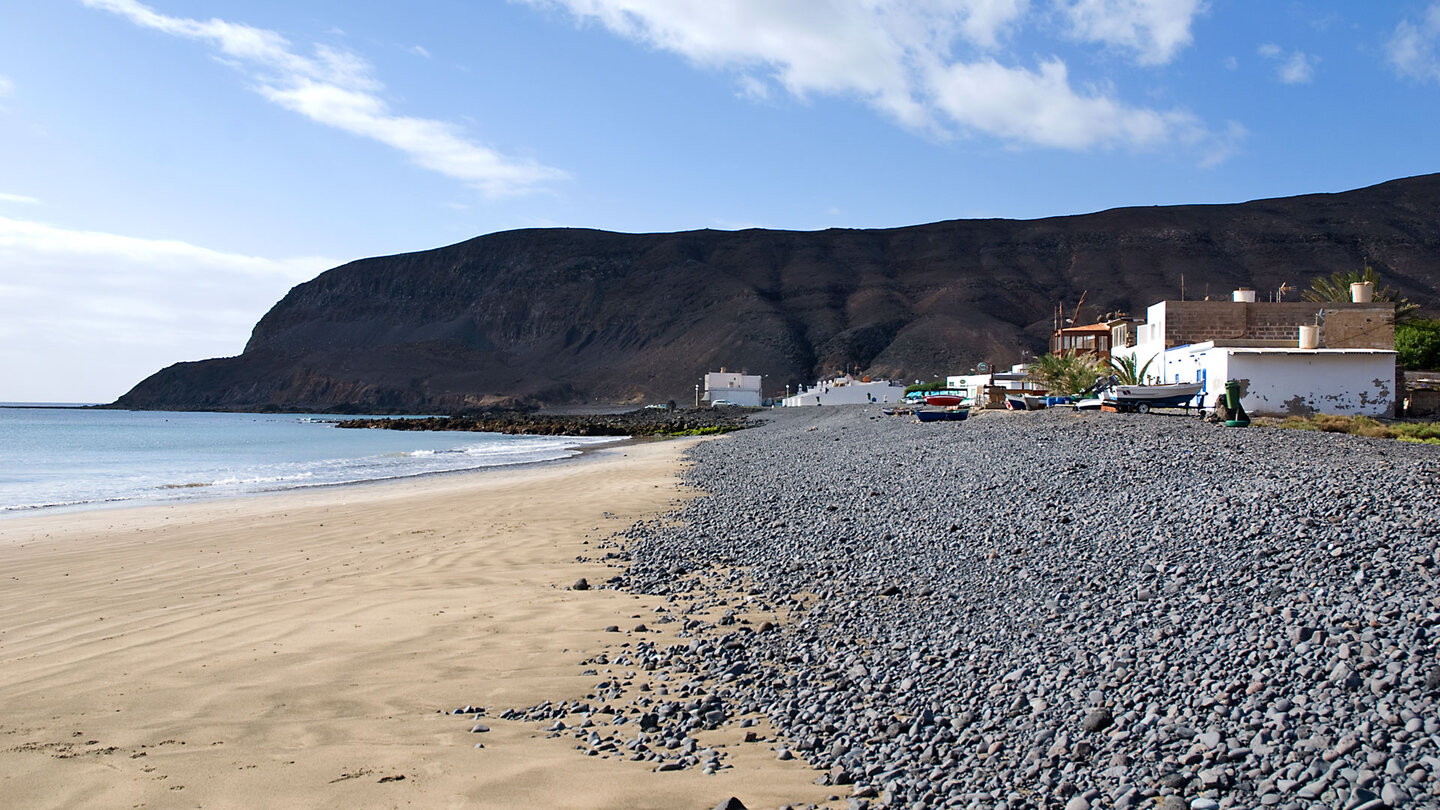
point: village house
(736, 389)
(1093, 339)
(1290, 358)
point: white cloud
(7, 87)
(18, 198)
(899, 57)
(1154, 30)
(1299, 68)
(337, 88)
(1042, 108)
(1296, 67)
(829, 48)
(420, 50)
(1412, 49)
(84, 315)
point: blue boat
(942, 416)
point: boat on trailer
(1142, 398)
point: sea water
(56, 458)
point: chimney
(1245, 295)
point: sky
(170, 168)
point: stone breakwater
(1046, 610)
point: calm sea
(55, 458)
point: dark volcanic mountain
(569, 316)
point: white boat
(1024, 402)
(1144, 397)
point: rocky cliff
(571, 316)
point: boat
(943, 416)
(943, 400)
(1024, 402)
(1144, 397)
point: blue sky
(168, 169)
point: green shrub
(1426, 432)
(933, 385)
(1418, 344)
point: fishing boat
(944, 400)
(958, 415)
(1024, 402)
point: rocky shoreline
(642, 422)
(1044, 610)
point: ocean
(67, 458)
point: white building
(1289, 381)
(736, 389)
(1290, 358)
(848, 391)
(1016, 379)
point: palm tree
(1336, 287)
(1067, 373)
(1128, 369)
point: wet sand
(296, 650)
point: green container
(1238, 417)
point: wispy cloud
(337, 88)
(1294, 67)
(18, 198)
(1412, 48)
(7, 87)
(1153, 30)
(900, 58)
(112, 309)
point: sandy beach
(297, 650)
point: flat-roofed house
(736, 389)
(1290, 358)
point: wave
(174, 477)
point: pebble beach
(835, 609)
(1039, 610)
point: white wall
(735, 396)
(1281, 382)
(1150, 343)
(1334, 381)
(881, 392)
(969, 383)
(740, 389)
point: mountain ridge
(570, 316)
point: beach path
(297, 650)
